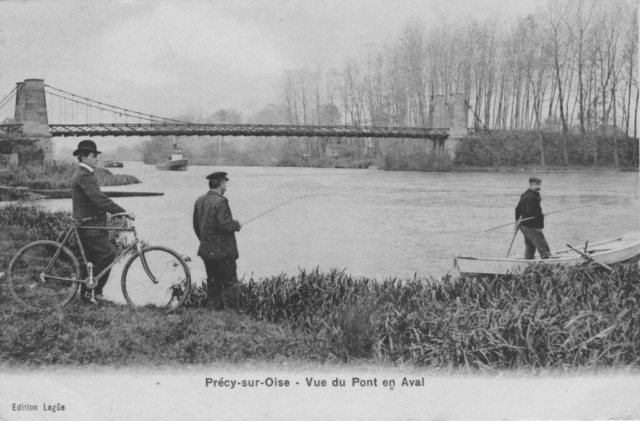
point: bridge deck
(233, 130)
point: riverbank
(369, 164)
(545, 319)
(19, 183)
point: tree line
(568, 69)
(570, 65)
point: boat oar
(514, 234)
(550, 213)
(591, 259)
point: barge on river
(616, 250)
(176, 161)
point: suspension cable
(7, 98)
(149, 117)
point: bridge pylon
(31, 112)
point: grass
(543, 319)
(117, 336)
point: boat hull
(177, 165)
(617, 250)
(113, 164)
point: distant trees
(570, 67)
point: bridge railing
(244, 130)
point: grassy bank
(544, 319)
(56, 176)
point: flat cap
(535, 180)
(219, 175)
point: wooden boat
(176, 161)
(608, 252)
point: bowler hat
(219, 175)
(535, 180)
(86, 146)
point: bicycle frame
(92, 281)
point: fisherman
(215, 228)
(529, 207)
(89, 202)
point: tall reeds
(547, 317)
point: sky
(168, 58)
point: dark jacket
(529, 206)
(215, 227)
(90, 202)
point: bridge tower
(449, 111)
(31, 112)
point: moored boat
(113, 164)
(176, 161)
(110, 162)
(616, 250)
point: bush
(41, 224)
(57, 176)
(522, 148)
(395, 160)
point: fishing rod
(550, 213)
(284, 203)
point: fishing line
(289, 201)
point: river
(373, 223)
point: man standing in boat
(89, 202)
(530, 212)
(215, 228)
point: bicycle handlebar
(123, 215)
(80, 221)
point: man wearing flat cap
(90, 202)
(215, 228)
(530, 211)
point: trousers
(534, 240)
(101, 254)
(223, 287)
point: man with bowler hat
(215, 228)
(90, 202)
(529, 208)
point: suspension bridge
(43, 111)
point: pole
(514, 235)
(551, 213)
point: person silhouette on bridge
(90, 202)
(529, 208)
(215, 228)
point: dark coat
(529, 206)
(215, 227)
(90, 202)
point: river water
(373, 223)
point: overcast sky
(168, 57)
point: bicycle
(45, 274)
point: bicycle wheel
(172, 279)
(35, 289)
